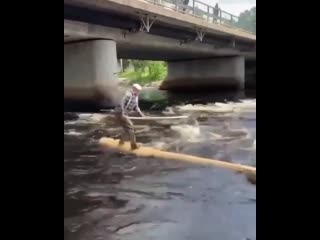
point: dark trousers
(128, 128)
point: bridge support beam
(217, 73)
(90, 72)
(250, 74)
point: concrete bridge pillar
(90, 71)
(250, 74)
(216, 73)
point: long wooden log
(155, 153)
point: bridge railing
(203, 11)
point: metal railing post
(229, 19)
(193, 5)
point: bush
(157, 71)
(145, 71)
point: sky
(234, 7)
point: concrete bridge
(203, 49)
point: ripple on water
(125, 196)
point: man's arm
(139, 111)
(124, 102)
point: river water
(110, 195)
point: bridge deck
(165, 15)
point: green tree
(138, 65)
(125, 64)
(157, 70)
(247, 20)
(144, 71)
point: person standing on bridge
(185, 3)
(130, 102)
(216, 12)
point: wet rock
(114, 202)
(70, 116)
(251, 178)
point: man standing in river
(130, 102)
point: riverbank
(126, 83)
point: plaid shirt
(129, 103)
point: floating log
(155, 153)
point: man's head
(136, 88)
